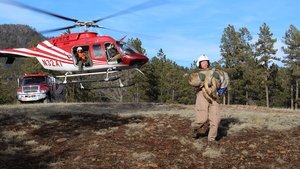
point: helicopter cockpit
(127, 49)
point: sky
(183, 29)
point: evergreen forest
(256, 78)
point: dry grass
(41, 148)
(13, 134)
(134, 129)
(269, 121)
(247, 116)
(103, 132)
(212, 152)
(31, 142)
(11, 150)
(143, 156)
(143, 133)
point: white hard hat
(79, 48)
(201, 58)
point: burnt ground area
(158, 139)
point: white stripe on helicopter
(45, 49)
(47, 43)
(46, 56)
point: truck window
(34, 80)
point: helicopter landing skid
(113, 78)
(108, 87)
(121, 85)
(107, 78)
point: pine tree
(151, 87)
(236, 51)
(160, 70)
(265, 52)
(292, 61)
(279, 93)
(136, 93)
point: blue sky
(184, 29)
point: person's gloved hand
(221, 91)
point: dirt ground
(93, 135)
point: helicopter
(103, 54)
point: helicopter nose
(138, 62)
(135, 60)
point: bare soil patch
(93, 135)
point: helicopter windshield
(126, 48)
(34, 80)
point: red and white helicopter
(60, 53)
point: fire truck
(39, 88)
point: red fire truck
(39, 88)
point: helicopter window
(127, 49)
(84, 48)
(97, 51)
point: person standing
(207, 111)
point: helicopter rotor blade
(21, 5)
(114, 30)
(102, 27)
(126, 32)
(141, 6)
(138, 7)
(58, 29)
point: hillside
(18, 36)
(93, 135)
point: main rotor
(84, 24)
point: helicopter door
(82, 57)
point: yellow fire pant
(204, 112)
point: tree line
(256, 78)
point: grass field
(94, 135)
